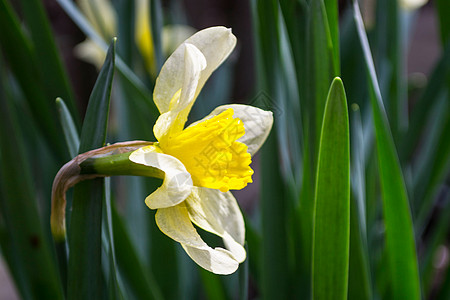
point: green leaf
(332, 208)
(443, 10)
(432, 163)
(156, 18)
(141, 281)
(321, 67)
(212, 285)
(114, 284)
(400, 244)
(27, 247)
(437, 82)
(390, 62)
(69, 128)
(359, 282)
(275, 277)
(22, 60)
(84, 274)
(243, 278)
(436, 239)
(51, 69)
(331, 7)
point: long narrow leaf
(332, 208)
(443, 10)
(54, 77)
(69, 127)
(400, 244)
(134, 273)
(84, 275)
(23, 62)
(28, 246)
(332, 10)
(359, 283)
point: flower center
(211, 154)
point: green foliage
(332, 209)
(346, 199)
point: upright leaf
(332, 10)
(84, 274)
(400, 244)
(28, 248)
(443, 10)
(332, 208)
(53, 74)
(22, 60)
(142, 283)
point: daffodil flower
(205, 160)
(199, 164)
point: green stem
(103, 162)
(117, 164)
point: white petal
(216, 43)
(257, 123)
(175, 223)
(219, 213)
(177, 182)
(173, 120)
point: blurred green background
(394, 62)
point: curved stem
(102, 162)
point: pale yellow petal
(219, 213)
(177, 182)
(257, 123)
(90, 52)
(173, 35)
(412, 4)
(101, 15)
(180, 104)
(216, 43)
(143, 35)
(175, 223)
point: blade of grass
(400, 244)
(84, 274)
(156, 17)
(444, 292)
(437, 82)
(443, 11)
(331, 237)
(28, 247)
(331, 7)
(438, 235)
(321, 67)
(432, 163)
(54, 77)
(73, 144)
(359, 283)
(69, 128)
(212, 285)
(243, 278)
(390, 59)
(114, 283)
(22, 60)
(275, 280)
(138, 277)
